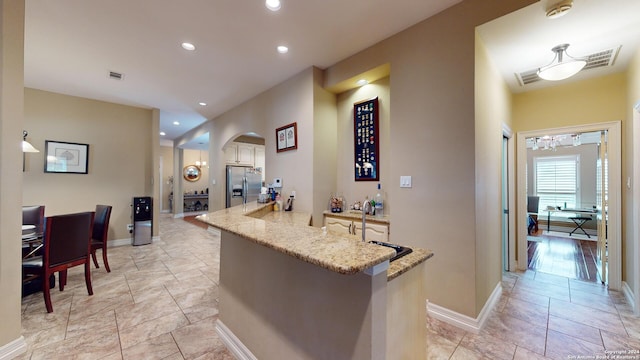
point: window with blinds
(556, 181)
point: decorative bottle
(379, 208)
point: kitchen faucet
(364, 213)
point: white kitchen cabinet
(377, 232)
(240, 154)
(374, 231)
(231, 154)
(338, 225)
(246, 155)
(260, 159)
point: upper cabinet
(260, 158)
(243, 154)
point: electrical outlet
(129, 227)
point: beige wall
(433, 139)
(120, 156)
(190, 157)
(359, 190)
(167, 173)
(11, 126)
(291, 101)
(325, 146)
(492, 111)
(575, 103)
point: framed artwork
(287, 137)
(66, 157)
(366, 140)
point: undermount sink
(400, 250)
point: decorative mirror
(191, 173)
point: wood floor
(192, 220)
(573, 258)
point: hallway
(542, 316)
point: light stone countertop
(289, 233)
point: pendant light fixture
(565, 66)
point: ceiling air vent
(116, 75)
(602, 58)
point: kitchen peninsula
(288, 290)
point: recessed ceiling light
(202, 103)
(188, 46)
(273, 5)
(282, 49)
(362, 82)
(176, 123)
(162, 133)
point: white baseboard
(463, 321)
(628, 294)
(13, 349)
(235, 346)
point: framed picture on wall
(287, 137)
(66, 157)
(366, 140)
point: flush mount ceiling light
(176, 123)
(188, 46)
(565, 67)
(362, 82)
(273, 5)
(282, 49)
(559, 9)
(202, 103)
(162, 133)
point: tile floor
(160, 302)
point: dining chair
(67, 243)
(100, 234)
(32, 215)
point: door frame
(615, 193)
(634, 186)
(511, 185)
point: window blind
(556, 181)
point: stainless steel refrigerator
(243, 185)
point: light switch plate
(405, 181)
(277, 182)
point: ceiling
(72, 45)
(523, 40)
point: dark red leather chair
(100, 234)
(67, 243)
